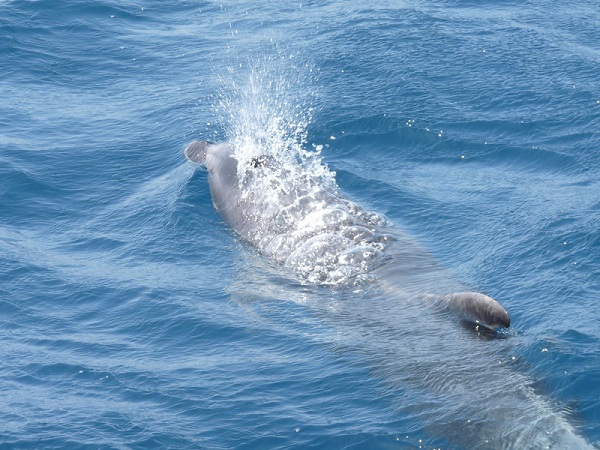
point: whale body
(300, 219)
(305, 223)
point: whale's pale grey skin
(348, 234)
(326, 239)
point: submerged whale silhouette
(324, 237)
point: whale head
(196, 151)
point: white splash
(304, 221)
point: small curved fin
(478, 308)
(196, 151)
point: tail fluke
(478, 308)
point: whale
(468, 391)
(326, 238)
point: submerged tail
(196, 151)
(478, 308)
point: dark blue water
(132, 317)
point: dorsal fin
(196, 151)
(478, 308)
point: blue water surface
(132, 317)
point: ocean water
(132, 316)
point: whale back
(301, 220)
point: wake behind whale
(284, 201)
